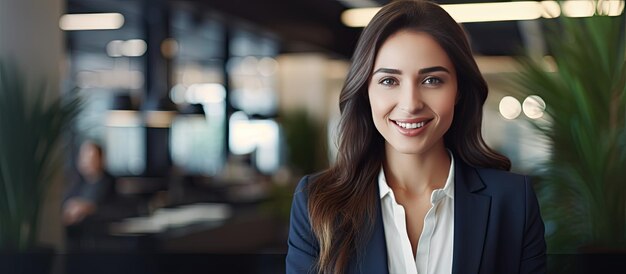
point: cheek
(448, 107)
(380, 110)
(444, 107)
(377, 105)
(376, 108)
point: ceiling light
(463, 13)
(534, 106)
(611, 8)
(114, 48)
(510, 107)
(134, 47)
(578, 8)
(550, 9)
(91, 21)
(169, 48)
(504, 11)
(358, 17)
(587, 8)
(489, 12)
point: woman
(415, 189)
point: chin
(407, 148)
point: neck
(417, 173)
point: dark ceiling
(304, 25)
(313, 24)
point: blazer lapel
(377, 248)
(471, 215)
(374, 255)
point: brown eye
(388, 82)
(432, 81)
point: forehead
(407, 49)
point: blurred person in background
(415, 189)
(92, 188)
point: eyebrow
(421, 71)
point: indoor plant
(31, 129)
(582, 186)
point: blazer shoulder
(502, 180)
(301, 195)
(303, 247)
(491, 174)
(303, 185)
(516, 213)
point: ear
(458, 97)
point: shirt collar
(448, 188)
(383, 187)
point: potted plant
(31, 128)
(582, 186)
(304, 150)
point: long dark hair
(342, 199)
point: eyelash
(438, 80)
(395, 82)
(382, 82)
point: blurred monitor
(260, 137)
(197, 143)
(125, 143)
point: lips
(411, 127)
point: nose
(410, 99)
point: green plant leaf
(582, 189)
(30, 152)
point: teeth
(411, 125)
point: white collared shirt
(434, 250)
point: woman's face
(412, 92)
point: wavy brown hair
(342, 199)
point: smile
(412, 123)
(411, 127)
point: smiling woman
(415, 189)
(413, 88)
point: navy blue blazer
(497, 228)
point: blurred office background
(209, 112)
